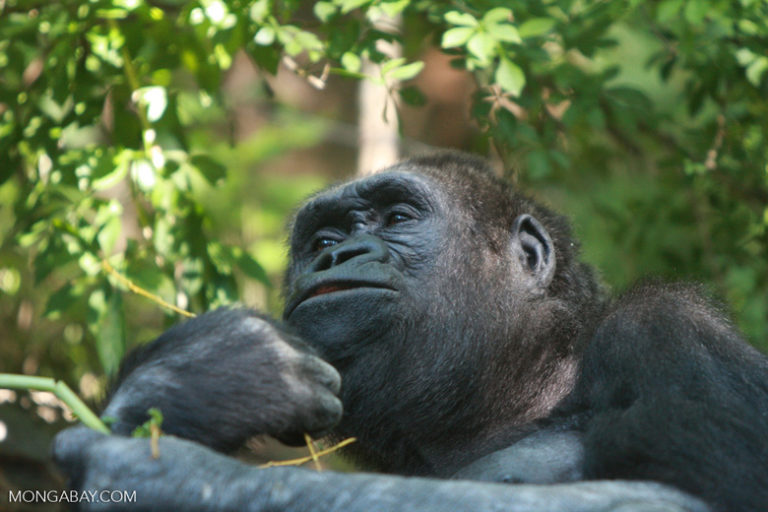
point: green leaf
(482, 46)
(350, 5)
(260, 10)
(308, 41)
(106, 46)
(143, 174)
(97, 306)
(461, 19)
(89, 264)
(456, 37)
(109, 231)
(745, 56)
(406, 72)
(749, 27)
(389, 65)
(221, 290)
(356, 76)
(538, 165)
(221, 256)
(154, 98)
(504, 32)
(324, 11)
(267, 57)
(351, 62)
(151, 278)
(208, 167)
(510, 77)
(668, 10)
(113, 177)
(60, 301)
(106, 321)
(265, 36)
(249, 265)
(695, 11)
(155, 420)
(50, 257)
(10, 281)
(536, 27)
(756, 70)
(497, 16)
(413, 96)
(394, 7)
(192, 280)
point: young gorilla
(471, 343)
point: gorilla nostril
(323, 262)
(346, 254)
(361, 249)
(335, 256)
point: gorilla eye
(398, 217)
(323, 243)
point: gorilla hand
(225, 376)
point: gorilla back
(471, 342)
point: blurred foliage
(646, 121)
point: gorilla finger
(70, 446)
(322, 373)
(317, 420)
(324, 413)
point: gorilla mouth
(330, 288)
(334, 287)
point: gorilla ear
(532, 245)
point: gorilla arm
(547, 456)
(190, 477)
(671, 392)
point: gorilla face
(362, 255)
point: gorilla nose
(357, 250)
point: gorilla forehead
(334, 205)
(449, 182)
(385, 186)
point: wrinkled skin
(471, 343)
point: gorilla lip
(326, 288)
(322, 290)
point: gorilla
(445, 320)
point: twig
(303, 460)
(312, 452)
(62, 392)
(109, 269)
(711, 162)
(154, 440)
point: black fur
(670, 391)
